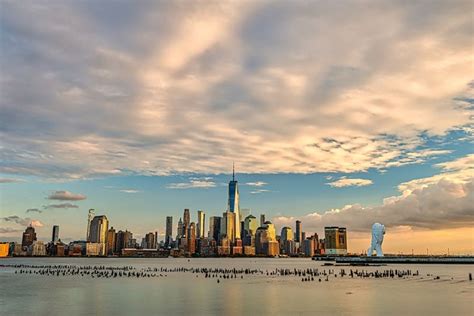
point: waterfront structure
(90, 216)
(201, 224)
(335, 239)
(308, 247)
(58, 249)
(111, 240)
(38, 249)
(55, 235)
(168, 231)
(4, 249)
(233, 204)
(29, 236)
(378, 231)
(94, 249)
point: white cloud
(193, 183)
(259, 191)
(66, 196)
(131, 191)
(445, 200)
(347, 182)
(256, 184)
(191, 88)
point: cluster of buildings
(231, 234)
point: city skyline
(334, 114)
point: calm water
(186, 294)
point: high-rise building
(29, 236)
(228, 226)
(180, 232)
(286, 233)
(335, 240)
(186, 221)
(191, 243)
(150, 241)
(271, 230)
(262, 219)
(308, 247)
(201, 224)
(123, 240)
(111, 239)
(55, 236)
(98, 232)
(250, 227)
(298, 233)
(233, 203)
(90, 216)
(215, 227)
(169, 230)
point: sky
(336, 113)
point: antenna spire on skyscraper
(233, 171)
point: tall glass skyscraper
(233, 204)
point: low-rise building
(38, 249)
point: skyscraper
(98, 232)
(90, 216)
(286, 241)
(111, 239)
(298, 236)
(150, 241)
(201, 224)
(233, 203)
(169, 230)
(228, 226)
(29, 236)
(186, 221)
(55, 236)
(262, 219)
(191, 243)
(215, 227)
(180, 232)
(123, 240)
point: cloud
(347, 182)
(22, 221)
(205, 182)
(7, 230)
(190, 88)
(66, 196)
(10, 180)
(257, 184)
(34, 210)
(61, 205)
(445, 200)
(129, 191)
(259, 191)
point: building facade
(335, 240)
